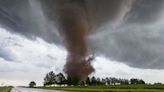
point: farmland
(118, 88)
(5, 89)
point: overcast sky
(23, 60)
(126, 37)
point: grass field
(121, 88)
(5, 89)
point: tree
(32, 84)
(108, 81)
(103, 81)
(68, 80)
(158, 83)
(141, 81)
(126, 82)
(60, 79)
(98, 81)
(72, 80)
(114, 80)
(123, 81)
(50, 78)
(93, 81)
(88, 81)
(136, 81)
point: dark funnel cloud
(73, 26)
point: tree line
(60, 79)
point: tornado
(75, 29)
(73, 26)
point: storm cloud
(128, 31)
(136, 46)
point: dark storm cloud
(145, 11)
(102, 12)
(132, 43)
(136, 46)
(26, 17)
(139, 42)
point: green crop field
(5, 89)
(121, 88)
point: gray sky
(24, 60)
(127, 38)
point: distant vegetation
(5, 89)
(32, 84)
(95, 84)
(59, 79)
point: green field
(121, 88)
(5, 89)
